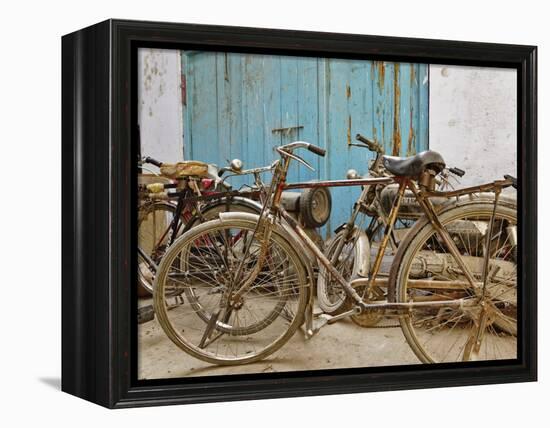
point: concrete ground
(340, 345)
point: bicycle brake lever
(295, 157)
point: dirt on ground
(340, 345)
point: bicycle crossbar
(339, 183)
(419, 283)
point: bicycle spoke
(466, 332)
(248, 325)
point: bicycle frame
(423, 198)
(188, 205)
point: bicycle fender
(361, 264)
(362, 255)
(220, 202)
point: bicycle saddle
(413, 166)
(184, 169)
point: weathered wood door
(243, 105)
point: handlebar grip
(317, 150)
(372, 145)
(153, 161)
(513, 179)
(457, 171)
(359, 137)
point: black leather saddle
(413, 166)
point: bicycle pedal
(316, 325)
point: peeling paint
(381, 65)
(396, 140)
(160, 109)
(411, 141)
(412, 137)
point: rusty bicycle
(353, 242)
(349, 249)
(180, 196)
(248, 280)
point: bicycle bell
(236, 165)
(352, 174)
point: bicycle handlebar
(514, 180)
(152, 161)
(372, 145)
(297, 144)
(317, 150)
(259, 170)
(457, 171)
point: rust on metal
(411, 149)
(396, 140)
(403, 182)
(340, 183)
(412, 137)
(381, 73)
(348, 91)
(487, 187)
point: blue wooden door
(243, 105)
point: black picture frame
(98, 224)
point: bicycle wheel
(153, 231)
(209, 321)
(153, 238)
(484, 327)
(331, 296)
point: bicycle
(200, 194)
(249, 283)
(349, 249)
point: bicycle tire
(208, 212)
(331, 296)
(443, 337)
(188, 331)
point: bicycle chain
(385, 326)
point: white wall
(473, 120)
(159, 104)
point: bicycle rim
(207, 323)
(484, 328)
